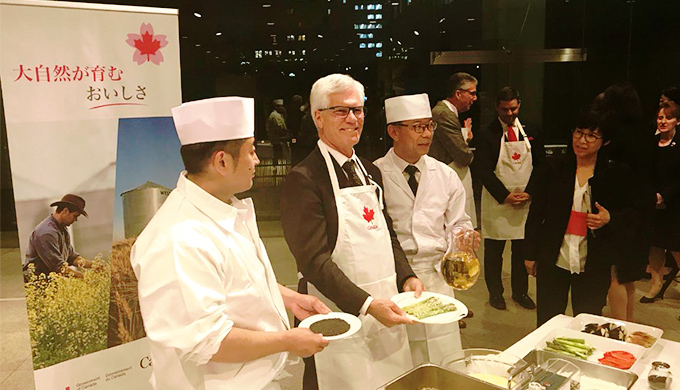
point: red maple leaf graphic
(368, 214)
(516, 156)
(147, 45)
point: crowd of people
(361, 232)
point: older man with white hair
(337, 228)
(213, 312)
(426, 200)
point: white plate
(601, 344)
(353, 321)
(580, 321)
(408, 298)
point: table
(665, 350)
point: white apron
(433, 342)
(466, 179)
(502, 221)
(363, 251)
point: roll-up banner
(72, 75)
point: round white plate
(353, 321)
(408, 298)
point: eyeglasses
(472, 93)
(343, 111)
(419, 128)
(590, 137)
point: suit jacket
(551, 206)
(310, 225)
(448, 143)
(488, 149)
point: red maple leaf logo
(516, 156)
(368, 214)
(147, 45)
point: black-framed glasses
(419, 128)
(590, 137)
(343, 111)
(472, 93)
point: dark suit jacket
(448, 143)
(488, 149)
(310, 225)
(551, 206)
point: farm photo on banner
(68, 77)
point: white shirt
(202, 270)
(422, 223)
(515, 128)
(574, 249)
(342, 159)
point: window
(378, 54)
(378, 26)
(362, 36)
(378, 6)
(258, 53)
(290, 38)
(378, 45)
(273, 38)
(378, 16)
(362, 45)
(370, 17)
(370, 7)
(277, 53)
(302, 38)
(371, 45)
(304, 51)
(291, 52)
(370, 35)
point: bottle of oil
(460, 265)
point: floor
(489, 328)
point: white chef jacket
(422, 223)
(202, 269)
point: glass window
(370, 17)
(378, 16)
(378, 54)
(362, 45)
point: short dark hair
(457, 80)
(507, 94)
(70, 209)
(196, 156)
(670, 108)
(593, 120)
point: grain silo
(140, 204)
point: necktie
(511, 134)
(351, 172)
(411, 170)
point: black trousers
(588, 291)
(493, 266)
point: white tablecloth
(665, 350)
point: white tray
(601, 344)
(580, 321)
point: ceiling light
(218, 33)
(471, 19)
(270, 24)
(395, 3)
(196, 14)
(266, 5)
(442, 19)
(416, 32)
(320, 36)
(198, 44)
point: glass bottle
(460, 265)
(660, 376)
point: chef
(507, 153)
(213, 312)
(336, 226)
(426, 201)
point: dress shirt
(341, 159)
(515, 129)
(574, 249)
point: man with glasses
(426, 200)
(336, 226)
(450, 140)
(507, 154)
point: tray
(614, 376)
(582, 319)
(601, 344)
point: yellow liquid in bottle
(460, 270)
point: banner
(69, 73)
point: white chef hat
(407, 107)
(216, 119)
(278, 102)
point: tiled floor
(489, 328)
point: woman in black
(581, 217)
(666, 176)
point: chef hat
(407, 107)
(278, 102)
(217, 119)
